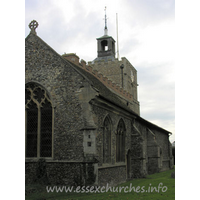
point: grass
(142, 188)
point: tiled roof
(103, 90)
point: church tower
(121, 72)
(105, 44)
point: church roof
(108, 95)
(102, 89)
(104, 92)
(105, 36)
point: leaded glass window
(38, 109)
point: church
(82, 120)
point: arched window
(104, 45)
(120, 142)
(107, 140)
(38, 110)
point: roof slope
(112, 97)
(104, 92)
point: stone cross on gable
(33, 25)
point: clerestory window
(38, 126)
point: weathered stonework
(81, 101)
(112, 175)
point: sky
(146, 35)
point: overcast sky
(146, 38)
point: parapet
(108, 83)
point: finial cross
(33, 25)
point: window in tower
(132, 76)
(104, 45)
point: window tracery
(38, 109)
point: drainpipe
(122, 67)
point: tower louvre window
(132, 76)
(38, 109)
(104, 45)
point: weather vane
(33, 25)
(105, 29)
(105, 19)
